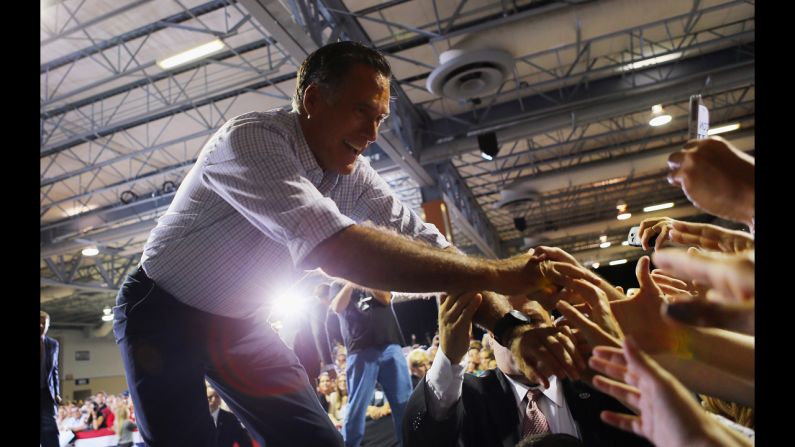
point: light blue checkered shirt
(251, 209)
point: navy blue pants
(169, 349)
(48, 427)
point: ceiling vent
(464, 74)
(512, 199)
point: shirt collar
(214, 414)
(553, 393)
(307, 158)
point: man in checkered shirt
(273, 194)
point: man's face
(213, 399)
(343, 123)
(100, 398)
(44, 324)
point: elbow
(331, 254)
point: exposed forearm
(381, 260)
(340, 302)
(725, 350)
(383, 297)
(705, 379)
(491, 309)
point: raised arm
(343, 297)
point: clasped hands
(540, 349)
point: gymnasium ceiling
(119, 133)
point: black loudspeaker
(487, 142)
(520, 224)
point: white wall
(105, 358)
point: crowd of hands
(688, 328)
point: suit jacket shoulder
(585, 405)
(484, 416)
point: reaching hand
(732, 276)
(543, 350)
(667, 413)
(455, 323)
(532, 273)
(710, 237)
(716, 177)
(640, 316)
(592, 333)
(655, 229)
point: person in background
(123, 426)
(503, 406)
(419, 362)
(49, 383)
(228, 430)
(338, 401)
(373, 341)
(324, 389)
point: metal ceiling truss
(81, 273)
(603, 99)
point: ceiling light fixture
(623, 214)
(191, 55)
(617, 262)
(652, 61)
(595, 265)
(90, 251)
(658, 116)
(723, 129)
(603, 239)
(107, 314)
(658, 207)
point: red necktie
(534, 421)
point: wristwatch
(509, 321)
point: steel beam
(603, 98)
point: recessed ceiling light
(624, 216)
(652, 61)
(604, 245)
(723, 129)
(191, 55)
(90, 251)
(658, 207)
(618, 262)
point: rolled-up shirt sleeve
(379, 204)
(258, 174)
(444, 381)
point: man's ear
(312, 96)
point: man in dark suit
(49, 384)
(227, 427)
(450, 408)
